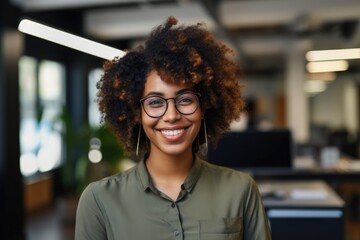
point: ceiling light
(327, 66)
(69, 40)
(335, 54)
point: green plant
(76, 166)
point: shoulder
(110, 183)
(224, 171)
(227, 175)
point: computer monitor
(254, 150)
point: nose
(171, 114)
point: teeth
(172, 132)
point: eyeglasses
(185, 103)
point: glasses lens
(187, 103)
(155, 106)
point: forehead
(155, 84)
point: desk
(349, 172)
(300, 210)
(308, 174)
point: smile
(172, 132)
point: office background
(41, 81)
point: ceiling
(260, 30)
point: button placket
(175, 221)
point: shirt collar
(143, 175)
(193, 175)
(189, 182)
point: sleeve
(89, 219)
(256, 224)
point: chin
(175, 150)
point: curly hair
(179, 54)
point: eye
(155, 102)
(186, 99)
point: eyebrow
(153, 93)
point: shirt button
(176, 233)
(173, 205)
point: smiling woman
(173, 132)
(166, 101)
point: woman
(166, 102)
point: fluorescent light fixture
(69, 40)
(327, 66)
(335, 54)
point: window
(42, 97)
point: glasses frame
(198, 95)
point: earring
(138, 142)
(206, 138)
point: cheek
(147, 126)
(196, 119)
(147, 121)
(199, 116)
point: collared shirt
(214, 203)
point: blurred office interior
(51, 141)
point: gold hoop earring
(138, 142)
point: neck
(163, 167)
(168, 172)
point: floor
(50, 224)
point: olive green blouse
(214, 203)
